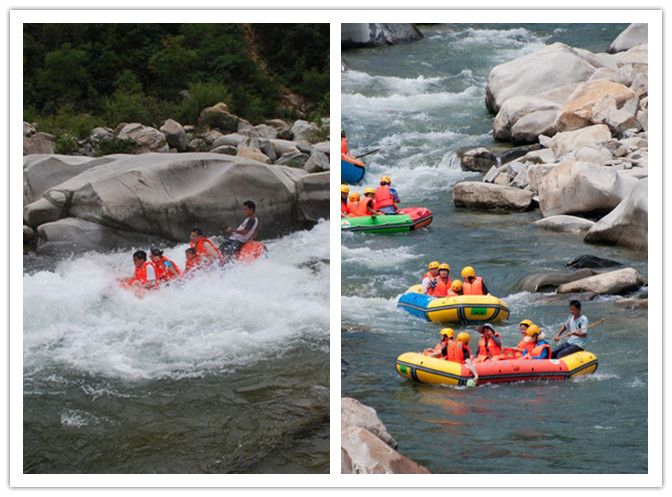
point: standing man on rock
(577, 339)
(244, 233)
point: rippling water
(227, 373)
(419, 103)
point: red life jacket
(537, 350)
(190, 265)
(141, 273)
(384, 197)
(492, 347)
(201, 255)
(452, 293)
(351, 206)
(455, 351)
(344, 145)
(362, 207)
(473, 288)
(344, 208)
(441, 288)
(161, 271)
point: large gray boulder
(145, 139)
(627, 224)
(570, 141)
(176, 136)
(612, 283)
(354, 413)
(488, 196)
(523, 107)
(39, 143)
(582, 188)
(166, 195)
(634, 35)
(373, 34)
(548, 282)
(551, 67)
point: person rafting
(540, 348)
(523, 346)
(366, 206)
(472, 284)
(345, 189)
(344, 143)
(577, 338)
(166, 270)
(144, 275)
(206, 251)
(458, 351)
(191, 261)
(387, 197)
(441, 349)
(244, 233)
(455, 289)
(490, 344)
(439, 287)
(352, 202)
(431, 274)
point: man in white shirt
(577, 337)
(244, 233)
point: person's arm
(497, 340)
(485, 288)
(560, 332)
(151, 276)
(472, 368)
(210, 250)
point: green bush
(114, 146)
(200, 96)
(66, 144)
(66, 121)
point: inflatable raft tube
(352, 170)
(407, 219)
(463, 309)
(418, 367)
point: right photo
(494, 248)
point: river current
(226, 373)
(419, 103)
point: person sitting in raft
(366, 206)
(523, 346)
(190, 266)
(490, 344)
(344, 143)
(387, 198)
(459, 352)
(472, 284)
(455, 289)
(439, 287)
(431, 274)
(244, 233)
(577, 339)
(206, 251)
(441, 349)
(345, 189)
(352, 202)
(144, 275)
(540, 349)
(166, 270)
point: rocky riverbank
(176, 177)
(582, 119)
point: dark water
(420, 103)
(226, 374)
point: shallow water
(226, 373)
(419, 103)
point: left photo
(175, 248)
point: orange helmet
(354, 196)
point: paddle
(367, 153)
(581, 329)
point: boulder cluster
(173, 180)
(582, 121)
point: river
(419, 103)
(227, 373)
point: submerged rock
(592, 261)
(565, 223)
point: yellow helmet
(434, 265)
(342, 133)
(533, 330)
(527, 322)
(385, 179)
(369, 190)
(345, 189)
(354, 196)
(464, 338)
(444, 266)
(448, 332)
(468, 272)
(456, 285)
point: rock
(516, 108)
(219, 117)
(317, 162)
(198, 145)
(282, 147)
(593, 155)
(536, 173)
(364, 453)
(487, 196)
(624, 118)
(592, 261)
(266, 131)
(281, 127)
(637, 56)
(29, 129)
(548, 282)
(232, 140)
(611, 283)
(569, 141)
(551, 67)
(528, 128)
(374, 34)
(175, 134)
(570, 224)
(491, 175)
(356, 414)
(577, 111)
(634, 35)
(27, 234)
(543, 156)
(39, 143)
(477, 159)
(165, 195)
(582, 188)
(293, 159)
(306, 132)
(324, 147)
(101, 134)
(225, 150)
(632, 304)
(144, 138)
(252, 153)
(627, 224)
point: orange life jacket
(344, 145)
(492, 348)
(344, 208)
(141, 273)
(351, 206)
(455, 351)
(161, 271)
(201, 255)
(362, 207)
(383, 197)
(537, 350)
(452, 293)
(473, 288)
(441, 288)
(190, 265)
